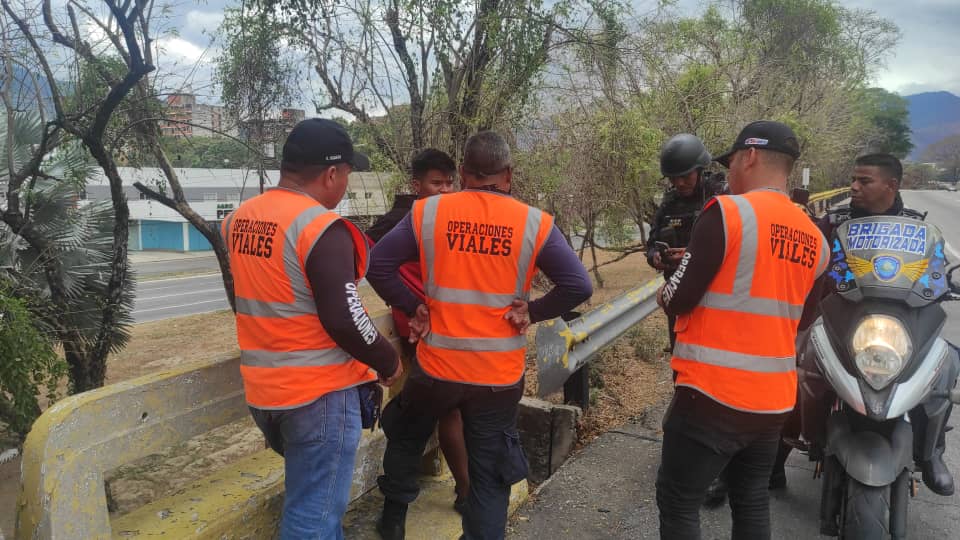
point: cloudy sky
(928, 55)
(925, 60)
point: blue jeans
(319, 444)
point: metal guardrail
(820, 202)
(564, 347)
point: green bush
(28, 366)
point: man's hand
(658, 262)
(419, 324)
(674, 256)
(519, 315)
(660, 295)
(388, 381)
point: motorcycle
(874, 354)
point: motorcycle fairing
(890, 257)
(900, 396)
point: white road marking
(146, 290)
(194, 276)
(139, 311)
(184, 293)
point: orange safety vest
(738, 344)
(478, 251)
(287, 359)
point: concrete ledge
(239, 502)
(77, 439)
(72, 444)
(431, 516)
(242, 501)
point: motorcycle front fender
(870, 457)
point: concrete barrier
(548, 433)
(79, 438)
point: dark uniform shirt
(402, 204)
(673, 222)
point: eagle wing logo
(916, 269)
(859, 267)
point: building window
(367, 195)
(351, 195)
(143, 196)
(209, 197)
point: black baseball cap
(764, 135)
(318, 141)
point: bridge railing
(78, 439)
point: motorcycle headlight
(881, 346)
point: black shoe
(393, 521)
(778, 479)
(936, 475)
(716, 493)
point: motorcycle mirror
(952, 395)
(955, 287)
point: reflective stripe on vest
(476, 344)
(273, 359)
(225, 229)
(747, 362)
(287, 359)
(738, 344)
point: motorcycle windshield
(888, 257)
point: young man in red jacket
(431, 173)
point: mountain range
(933, 116)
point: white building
(214, 193)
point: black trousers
(702, 437)
(495, 459)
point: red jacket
(410, 275)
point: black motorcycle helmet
(682, 154)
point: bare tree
(428, 72)
(129, 25)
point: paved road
(148, 269)
(607, 490)
(176, 297)
(944, 212)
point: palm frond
(78, 234)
